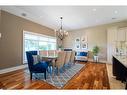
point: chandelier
(61, 34)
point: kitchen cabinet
(115, 35)
(120, 68)
(126, 33)
(121, 34)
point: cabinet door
(126, 34)
(112, 34)
(121, 34)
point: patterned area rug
(60, 80)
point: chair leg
(63, 68)
(51, 70)
(45, 75)
(31, 76)
(58, 71)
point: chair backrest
(30, 59)
(67, 49)
(51, 52)
(72, 59)
(43, 52)
(68, 56)
(56, 52)
(60, 59)
(82, 53)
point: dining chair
(43, 52)
(56, 52)
(39, 67)
(51, 52)
(72, 59)
(60, 61)
(67, 58)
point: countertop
(122, 59)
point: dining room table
(52, 59)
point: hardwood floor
(20, 80)
(92, 76)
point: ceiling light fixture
(40, 17)
(23, 14)
(113, 18)
(60, 32)
(94, 9)
(115, 11)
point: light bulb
(66, 33)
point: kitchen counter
(120, 68)
(121, 59)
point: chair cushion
(36, 59)
(81, 53)
(83, 56)
(41, 66)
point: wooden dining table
(50, 57)
(52, 60)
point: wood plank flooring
(92, 76)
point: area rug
(59, 80)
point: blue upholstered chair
(81, 56)
(40, 67)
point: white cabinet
(121, 34)
(115, 34)
(112, 34)
(126, 33)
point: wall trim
(101, 61)
(13, 69)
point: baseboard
(101, 61)
(12, 69)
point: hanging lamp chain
(61, 23)
(61, 34)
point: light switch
(0, 35)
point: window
(34, 41)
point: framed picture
(77, 40)
(84, 46)
(84, 39)
(77, 46)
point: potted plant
(95, 53)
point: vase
(96, 59)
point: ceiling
(74, 17)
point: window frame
(36, 34)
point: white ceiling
(74, 17)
